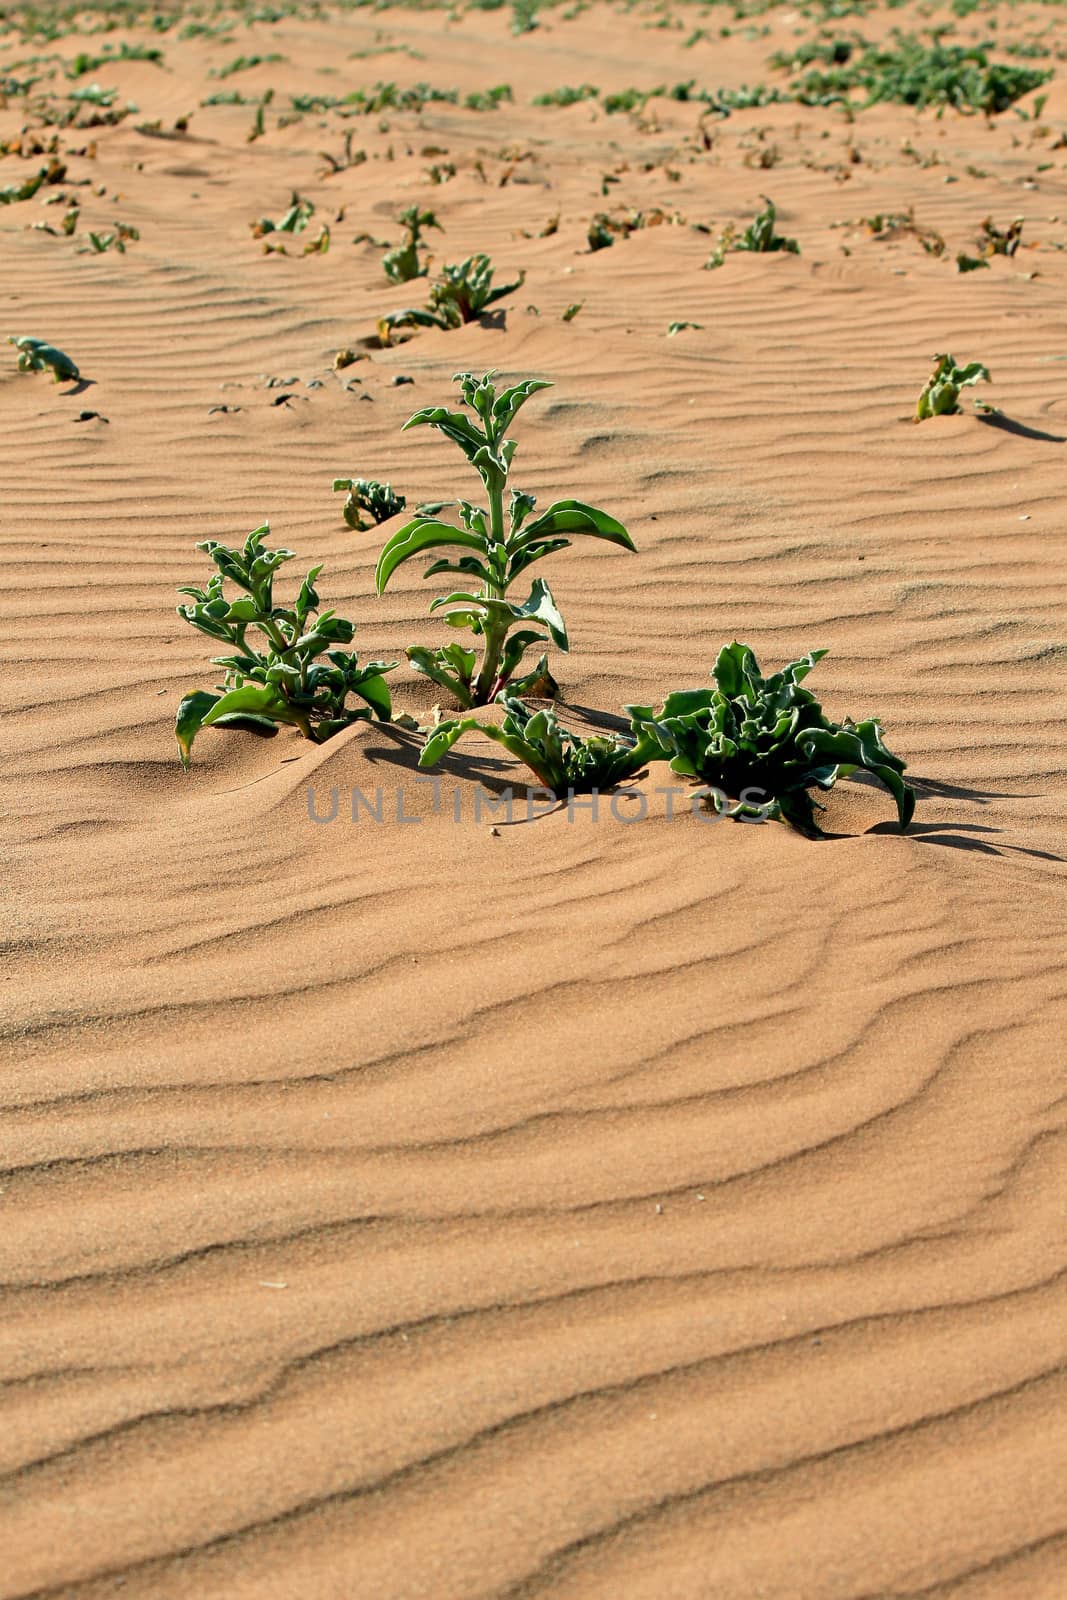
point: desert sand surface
(582, 1207)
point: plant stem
(496, 632)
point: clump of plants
(54, 172)
(762, 743)
(566, 95)
(913, 73)
(293, 220)
(37, 355)
(994, 241)
(940, 396)
(367, 497)
(561, 761)
(759, 236)
(283, 667)
(403, 263)
(460, 295)
(605, 228)
(495, 546)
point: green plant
(37, 355)
(765, 742)
(561, 761)
(115, 240)
(566, 96)
(941, 392)
(759, 237)
(243, 64)
(282, 680)
(460, 295)
(911, 72)
(367, 495)
(402, 263)
(294, 220)
(488, 99)
(495, 548)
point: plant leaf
(574, 517)
(424, 533)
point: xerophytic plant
(37, 355)
(275, 672)
(758, 237)
(941, 393)
(367, 496)
(495, 546)
(765, 742)
(460, 295)
(561, 761)
(404, 262)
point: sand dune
(581, 1206)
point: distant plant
(390, 97)
(763, 743)
(913, 73)
(117, 239)
(54, 172)
(36, 355)
(759, 236)
(243, 64)
(403, 263)
(941, 392)
(566, 96)
(495, 548)
(680, 327)
(966, 263)
(994, 241)
(488, 99)
(366, 495)
(561, 761)
(294, 220)
(83, 62)
(605, 228)
(460, 295)
(280, 678)
(572, 311)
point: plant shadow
(960, 836)
(1021, 430)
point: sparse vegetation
(759, 236)
(278, 676)
(403, 263)
(460, 295)
(37, 355)
(761, 744)
(941, 393)
(562, 762)
(365, 496)
(495, 547)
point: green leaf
(574, 517)
(444, 736)
(190, 719)
(453, 424)
(541, 607)
(424, 533)
(375, 691)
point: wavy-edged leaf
(861, 746)
(509, 403)
(574, 517)
(423, 533)
(542, 608)
(453, 424)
